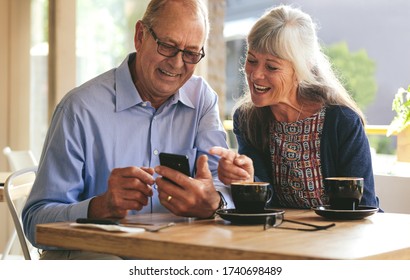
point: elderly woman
(297, 124)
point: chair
(19, 159)
(16, 190)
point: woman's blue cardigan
(344, 151)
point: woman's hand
(233, 167)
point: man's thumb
(202, 168)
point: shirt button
(144, 104)
(156, 152)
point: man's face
(157, 76)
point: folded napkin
(109, 227)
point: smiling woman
(361, 60)
(296, 125)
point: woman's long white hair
(290, 34)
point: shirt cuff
(226, 192)
(79, 210)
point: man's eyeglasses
(167, 50)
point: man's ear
(139, 34)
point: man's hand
(186, 196)
(128, 189)
(232, 166)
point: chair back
(16, 190)
(19, 159)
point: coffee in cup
(251, 197)
(344, 193)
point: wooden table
(380, 236)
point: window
(373, 30)
(38, 75)
(105, 34)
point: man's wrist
(222, 204)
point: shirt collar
(127, 95)
(182, 96)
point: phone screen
(175, 161)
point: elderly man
(106, 135)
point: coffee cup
(344, 193)
(251, 197)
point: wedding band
(169, 198)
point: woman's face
(271, 80)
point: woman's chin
(259, 102)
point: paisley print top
(295, 155)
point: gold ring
(169, 198)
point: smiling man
(106, 135)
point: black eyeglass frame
(160, 44)
(276, 221)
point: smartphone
(175, 161)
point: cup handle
(270, 194)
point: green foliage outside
(401, 105)
(357, 70)
(105, 33)
(382, 144)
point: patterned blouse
(295, 155)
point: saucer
(249, 219)
(360, 213)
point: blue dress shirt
(104, 124)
